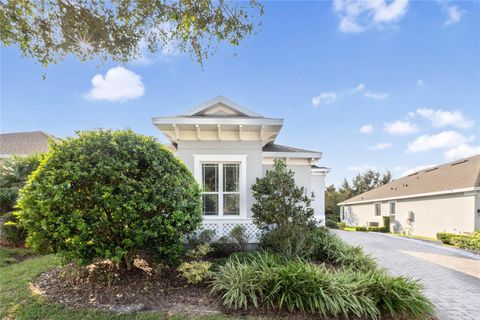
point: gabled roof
(24, 143)
(219, 119)
(221, 106)
(456, 175)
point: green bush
(330, 248)
(296, 285)
(446, 237)
(332, 224)
(341, 225)
(377, 229)
(14, 173)
(461, 241)
(386, 223)
(239, 236)
(355, 228)
(108, 194)
(11, 232)
(195, 271)
(198, 252)
(235, 241)
(282, 211)
(296, 241)
(202, 236)
(468, 242)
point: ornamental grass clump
(107, 195)
(330, 248)
(275, 282)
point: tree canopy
(49, 30)
(364, 182)
(361, 183)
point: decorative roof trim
(307, 155)
(218, 120)
(222, 100)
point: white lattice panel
(223, 228)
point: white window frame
(240, 159)
(375, 209)
(390, 208)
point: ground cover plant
(273, 281)
(107, 195)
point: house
(23, 143)
(227, 147)
(444, 198)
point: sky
(383, 85)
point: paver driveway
(451, 279)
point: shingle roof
(24, 143)
(279, 148)
(458, 174)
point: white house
(227, 147)
(444, 198)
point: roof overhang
(303, 155)
(218, 128)
(418, 195)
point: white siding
(443, 213)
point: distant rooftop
(454, 175)
(24, 143)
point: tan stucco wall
(443, 213)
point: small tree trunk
(128, 263)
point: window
(221, 189)
(378, 209)
(392, 208)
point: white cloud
(332, 96)
(375, 96)
(381, 146)
(462, 151)
(442, 140)
(118, 84)
(324, 98)
(359, 88)
(366, 128)
(454, 14)
(399, 127)
(356, 16)
(420, 83)
(440, 118)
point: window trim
(242, 160)
(390, 208)
(375, 204)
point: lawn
(17, 301)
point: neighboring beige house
(444, 198)
(227, 147)
(23, 143)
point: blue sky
(408, 73)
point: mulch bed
(136, 290)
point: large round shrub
(108, 194)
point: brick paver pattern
(452, 287)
